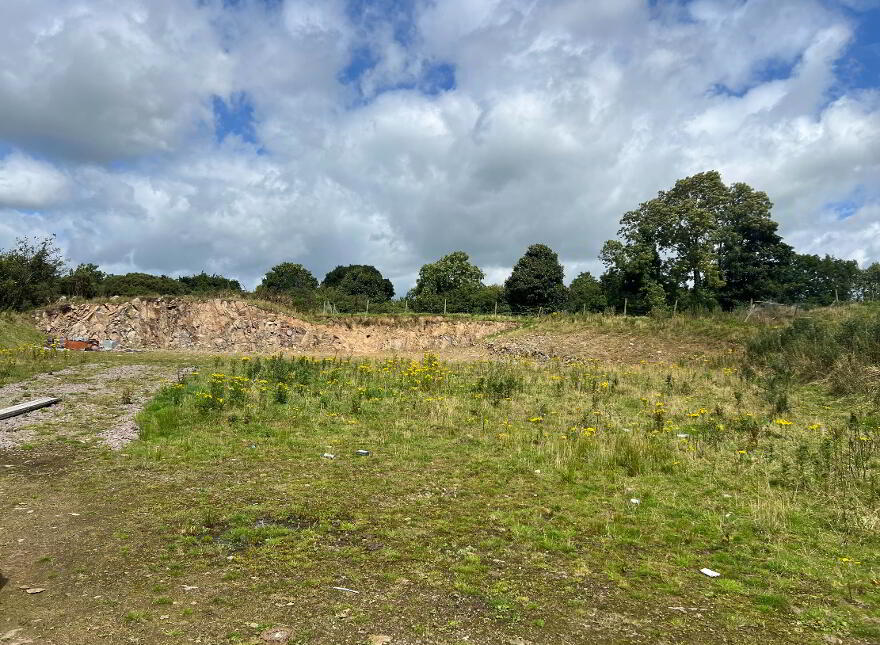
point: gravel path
(97, 402)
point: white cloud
(30, 184)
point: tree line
(699, 245)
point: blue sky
(228, 136)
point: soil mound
(222, 325)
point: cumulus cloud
(30, 184)
(551, 119)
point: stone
(278, 635)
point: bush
(844, 352)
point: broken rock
(278, 635)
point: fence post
(625, 303)
(675, 307)
(368, 305)
(496, 307)
(444, 306)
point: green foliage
(141, 284)
(536, 281)
(700, 243)
(288, 277)
(450, 273)
(452, 280)
(29, 274)
(360, 280)
(586, 294)
(83, 282)
(811, 280)
(203, 283)
(751, 255)
(843, 351)
(869, 283)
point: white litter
(635, 501)
(710, 573)
(346, 589)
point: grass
(500, 501)
(512, 486)
(16, 330)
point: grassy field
(501, 502)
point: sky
(175, 136)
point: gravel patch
(81, 412)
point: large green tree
(700, 242)
(288, 277)
(586, 294)
(536, 281)
(451, 272)
(751, 255)
(452, 283)
(84, 281)
(360, 280)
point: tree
(536, 281)
(869, 283)
(751, 255)
(585, 293)
(203, 283)
(141, 284)
(360, 280)
(288, 277)
(83, 282)
(451, 283)
(449, 273)
(700, 242)
(684, 223)
(29, 273)
(811, 280)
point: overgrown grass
(515, 484)
(16, 330)
(839, 347)
(22, 353)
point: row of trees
(33, 274)
(699, 245)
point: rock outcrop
(222, 325)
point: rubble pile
(224, 325)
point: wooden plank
(30, 406)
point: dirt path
(98, 403)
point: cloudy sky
(172, 136)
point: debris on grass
(345, 589)
(363, 453)
(328, 455)
(710, 573)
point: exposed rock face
(235, 326)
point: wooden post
(675, 307)
(444, 306)
(625, 303)
(406, 304)
(584, 312)
(368, 305)
(835, 297)
(496, 307)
